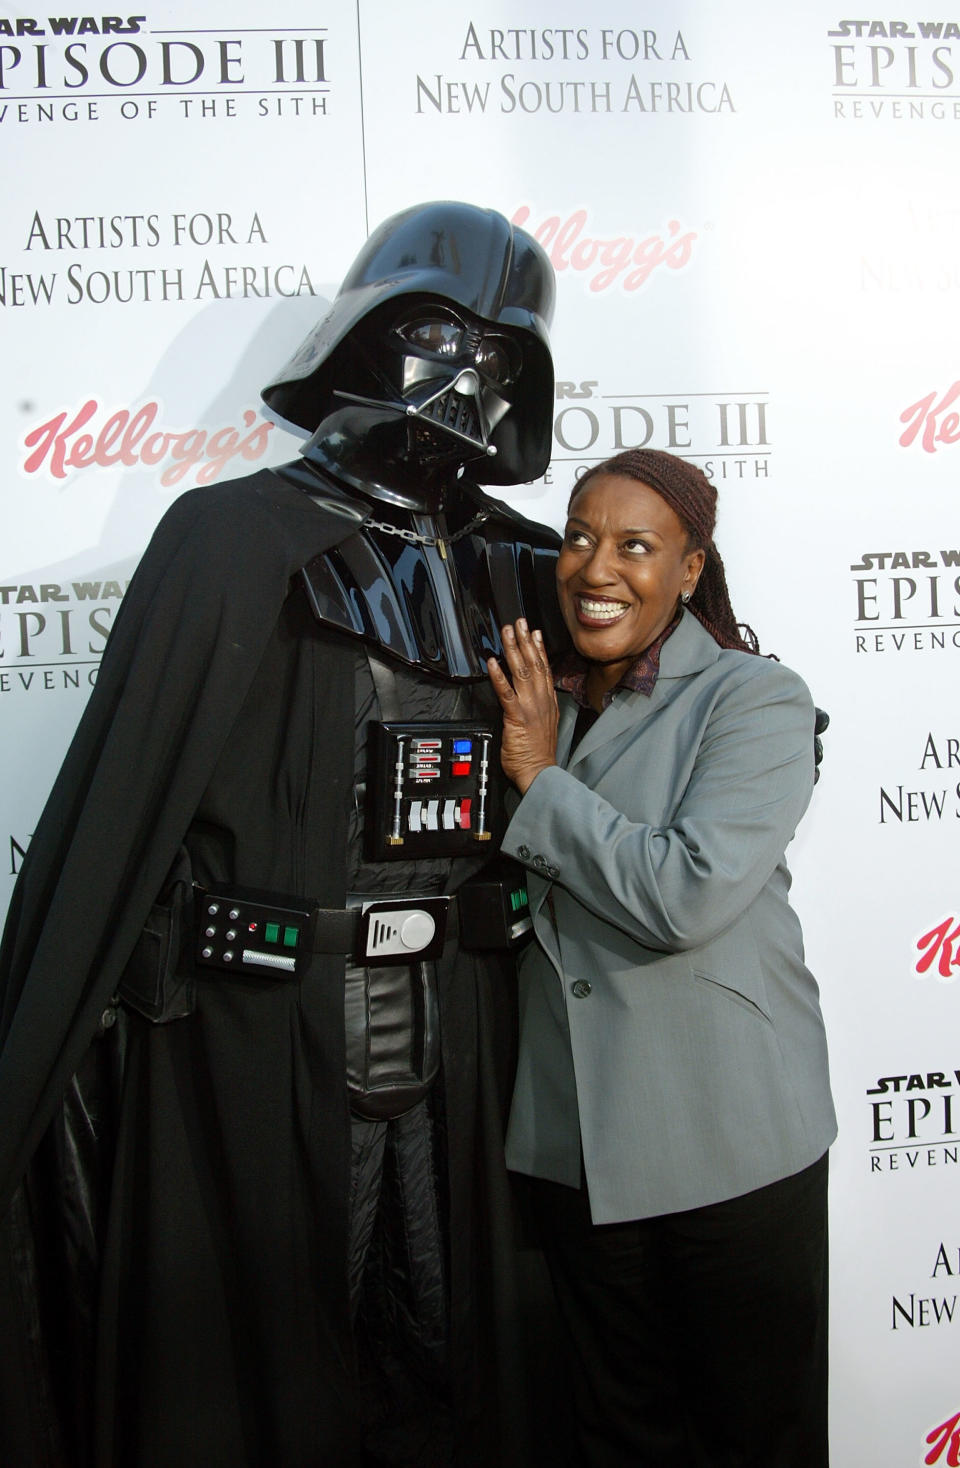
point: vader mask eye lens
(442, 337)
(499, 358)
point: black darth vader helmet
(439, 330)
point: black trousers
(696, 1337)
(398, 1292)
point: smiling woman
(672, 1103)
(626, 560)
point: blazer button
(523, 852)
(582, 987)
(551, 872)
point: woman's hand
(529, 704)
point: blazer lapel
(568, 719)
(687, 651)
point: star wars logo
(81, 68)
(914, 1121)
(905, 70)
(52, 634)
(726, 434)
(906, 601)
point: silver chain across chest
(416, 538)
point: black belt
(250, 932)
(388, 929)
(268, 935)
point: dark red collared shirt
(640, 677)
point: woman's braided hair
(693, 499)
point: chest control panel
(430, 789)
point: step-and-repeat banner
(753, 217)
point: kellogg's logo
(929, 421)
(945, 1439)
(571, 246)
(128, 438)
(941, 943)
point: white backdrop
(753, 217)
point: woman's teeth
(606, 611)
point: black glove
(821, 721)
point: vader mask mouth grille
(466, 408)
(454, 411)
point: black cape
(172, 1278)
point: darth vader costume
(256, 1003)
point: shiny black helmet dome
(449, 255)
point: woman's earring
(685, 596)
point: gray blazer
(668, 1022)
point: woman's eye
(575, 538)
(636, 547)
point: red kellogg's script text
(128, 438)
(570, 247)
